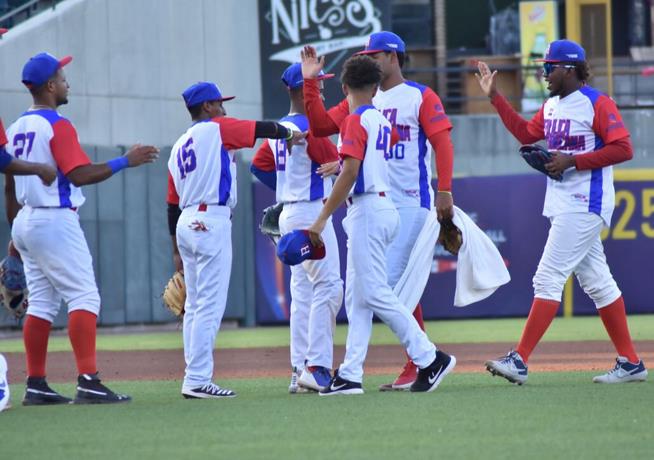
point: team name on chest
(403, 130)
(557, 134)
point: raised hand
(486, 79)
(141, 154)
(311, 65)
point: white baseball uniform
(416, 112)
(46, 231)
(582, 203)
(316, 285)
(371, 225)
(203, 173)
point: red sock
(81, 331)
(614, 318)
(417, 314)
(540, 317)
(36, 332)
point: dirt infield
(273, 362)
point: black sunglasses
(549, 67)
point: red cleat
(404, 381)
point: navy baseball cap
(563, 51)
(40, 68)
(203, 91)
(296, 247)
(383, 41)
(292, 76)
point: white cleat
(623, 372)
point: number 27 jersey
(202, 165)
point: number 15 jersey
(201, 164)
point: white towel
(481, 268)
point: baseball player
(584, 129)
(47, 233)
(416, 113)
(203, 174)
(301, 183)
(371, 225)
(16, 167)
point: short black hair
(360, 71)
(195, 110)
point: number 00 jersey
(201, 165)
(44, 136)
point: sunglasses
(549, 67)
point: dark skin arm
(11, 203)
(341, 190)
(94, 173)
(17, 167)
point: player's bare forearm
(89, 174)
(27, 168)
(11, 203)
(177, 258)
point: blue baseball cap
(292, 76)
(563, 51)
(296, 247)
(203, 91)
(40, 68)
(383, 41)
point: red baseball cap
(3, 31)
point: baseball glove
(13, 287)
(174, 295)
(270, 222)
(450, 237)
(537, 156)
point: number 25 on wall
(622, 230)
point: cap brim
(325, 76)
(228, 98)
(3, 31)
(65, 61)
(368, 52)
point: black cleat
(38, 393)
(340, 386)
(91, 391)
(430, 377)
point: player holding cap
(47, 233)
(584, 128)
(371, 224)
(203, 185)
(417, 114)
(301, 182)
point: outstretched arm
(527, 132)
(322, 123)
(94, 173)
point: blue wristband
(117, 164)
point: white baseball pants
(316, 291)
(412, 220)
(204, 239)
(574, 245)
(371, 224)
(57, 261)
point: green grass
(459, 331)
(556, 415)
